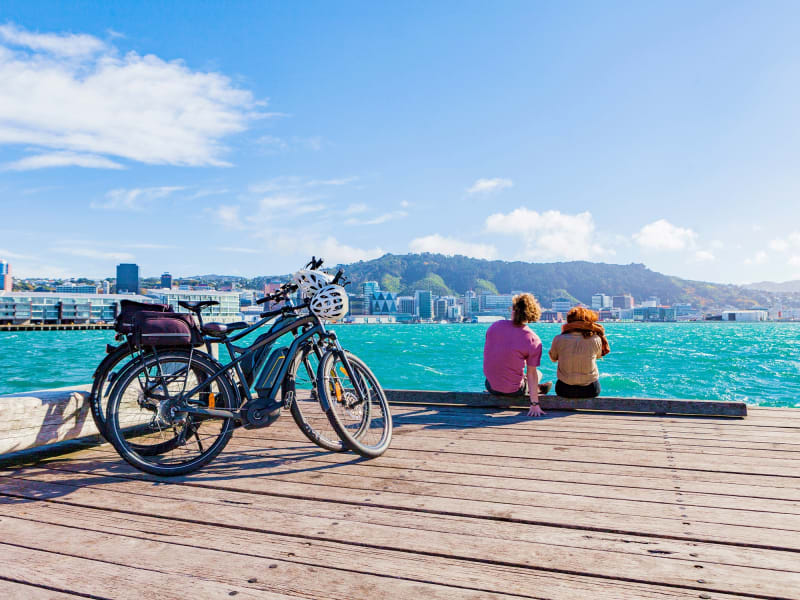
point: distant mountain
(577, 279)
(787, 287)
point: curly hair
(580, 313)
(525, 309)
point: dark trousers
(521, 392)
(577, 391)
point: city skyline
(245, 139)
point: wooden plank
(548, 402)
(14, 589)
(654, 565)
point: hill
(787, 287)
(577, 279)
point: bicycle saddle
(220, 329)
(198, 305)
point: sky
(241, 138)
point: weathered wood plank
(654, 564)
(15, 590)
(548, 402)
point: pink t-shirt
(508, 349)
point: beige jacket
(576, 356)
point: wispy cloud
(82, 103)
(227, 216)
(384, 218)
(238, 250)
(136, 199)
(485, 186)
(94, 253)
(291, 183)
(61, 159)
(663, 235)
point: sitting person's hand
(536, 411)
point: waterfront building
(623, 301)
(368, 288)
(651, 302)
(383, 303)
(226, 311)
(128, 278)
(600, 301)
(549, 316)
(76, 289)
(454, 313)
(609, 314)
(405, 305)
(561, 305)
(682, 309)
(440, 309)
(359, 305)
(106, 286)
(166, 280)
(423, 302)
(745, 315)
(6, 281)
(471, 304)
(22, 308)
(495, 302)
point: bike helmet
(330, 303)
(310, 282)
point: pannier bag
(152, 328)
(128, 308)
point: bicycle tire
(357, 410)
(131, 405)
(299, 392)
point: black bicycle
(172, 410)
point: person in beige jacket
(576, 350)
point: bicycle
(164, 402)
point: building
(22, 308)
(227, 311)
(623, 301)
(76, 289)
(600, 301)
(745, 315)
(471, 303)
(561, 305)
(383, 303)
(405, 305)
(6, 281)
(454, 313)
(368, 288)
(652, 301)
(549, 316)
(495, 302)
(359, 306)
(651, 314)
(166, 281)
(106, 286)
(423, 302)
(128, 278)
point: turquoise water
(758, 363)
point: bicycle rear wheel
(137, 422)
(354, 403)
(299, 393)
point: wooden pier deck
(467, 503)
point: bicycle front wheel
(137, 421)
(354, 403)
(299, 393)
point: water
(758, 363)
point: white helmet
(310, 282)
(330, 303)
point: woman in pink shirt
(510, 347)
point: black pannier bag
(152, 328)
(128, 308)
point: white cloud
(759, 258)
(785, 244)
(65, 44)
(438, 244)
(74, 93)
(336, 252)
(227, 216)
(550, 234)
(136, 199)
(704, 256)
(779, 245)
(6, 254)
(663, 235)
(795, 261)
(482, 186)
(390, 216)
(292, 183)
(61, 159)
(280, 206)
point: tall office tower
(423, 301)
(368, 288)
(106, 286)
(166, 281)
(128, 278)
(6, 281)
(623, 301)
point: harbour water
(758, 363)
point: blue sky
(242, 137)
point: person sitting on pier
(576, 350)
(510, 346)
